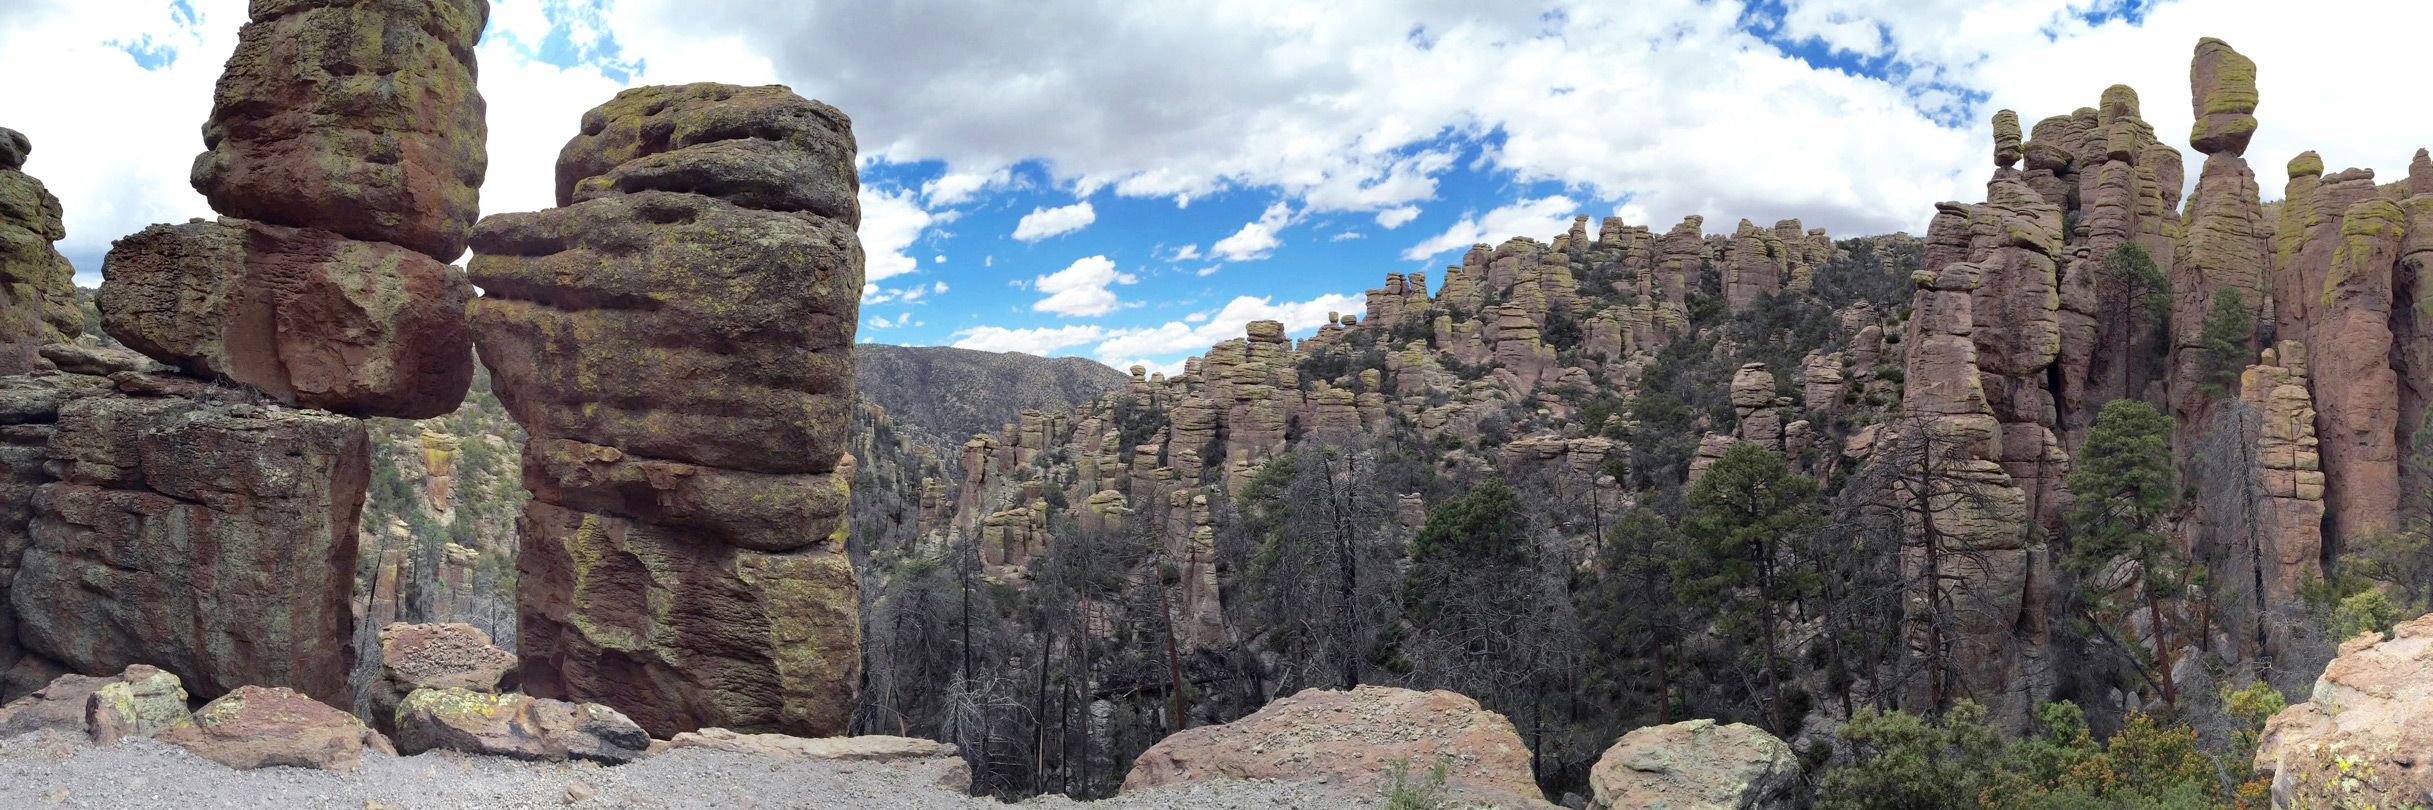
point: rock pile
(207, 523)
(676, 336)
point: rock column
(676, 336)
(37, 287)
(208, 525)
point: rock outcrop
(1696, 765)
(2359, 741)
(37, 286)
(676, 337)
(1355, 738)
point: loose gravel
(48, 770)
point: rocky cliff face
(37, 287)
(676, 336)
(210, 527)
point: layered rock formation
(676, 336)
(37, 287)
(2359, 740)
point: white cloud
(1256, 239)
(1392, 218)
(881, 322)
(1185, 253)
(1346, 235)
(1205, 272)
(1041, 341)
(1181, 336)
(1081, 289)
(957, 188)
(891, 222)
(1195, 317)
(940, 288)
(1541, 218)
(1169, 368)
(1042, 223)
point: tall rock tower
(677, 337)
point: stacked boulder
(37, 286)
(676, 337)
(206, 522)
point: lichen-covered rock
(262, 727)
(311, 318)
(606, 322)
(1696, 765)
(2359, 740)
(944, 759)
(354, 116)
(516, 726)
(435, 656)
(66, 704)
(1354, 739)
(213, 540)
(2222, 87)
(2289, 511)
(37, 286)
(137, 703)
(680, 631)
(677, 337)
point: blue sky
(1186, 167)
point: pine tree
(2124, 487)
(1749, 522)
(2224, 343)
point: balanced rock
(354, 116)
(1354, 739)
(37, 286)
(2360, 740)
(516, 726)
(434, 656)
(2222, 87)
(677, 338)
(944, 759)
(311, 318)
(214, 540)
(263, 727)
(1696, 765)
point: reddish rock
(750, 510)
(354, 116)
(311, 318)
(1354, 739)
(214, 540)
(435, 656)
(2222, 87)
(261, 727)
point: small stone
(578, 792)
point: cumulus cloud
(1041, 341)
(1539, 218)
(891, 222)
(1081, 289)
(1256, 239)
(1042, 223)
(1392, 218)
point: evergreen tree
(2224, 343)
(1748, 525)
(2124, 487)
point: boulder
(37, 286)
(1696, 765)
(516, 726)
(354, 116)
(137, 703)
(310, 317)
(2360, 739)
(2222, 86)
(66, 704)
(897, 752)
(1353, 740)
(760, 147)
(262, 727)
(214, 540)
(435, 656)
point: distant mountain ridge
(958, 392)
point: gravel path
(45, 770)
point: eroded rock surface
(2359, 741)
(262, 727)
(37, 286)
(677, 337)
(516, 726)
(1354, 738)
(435, 656)
(1696, 765)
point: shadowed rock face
(354, 116)
(37, 286)
(677, 336)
